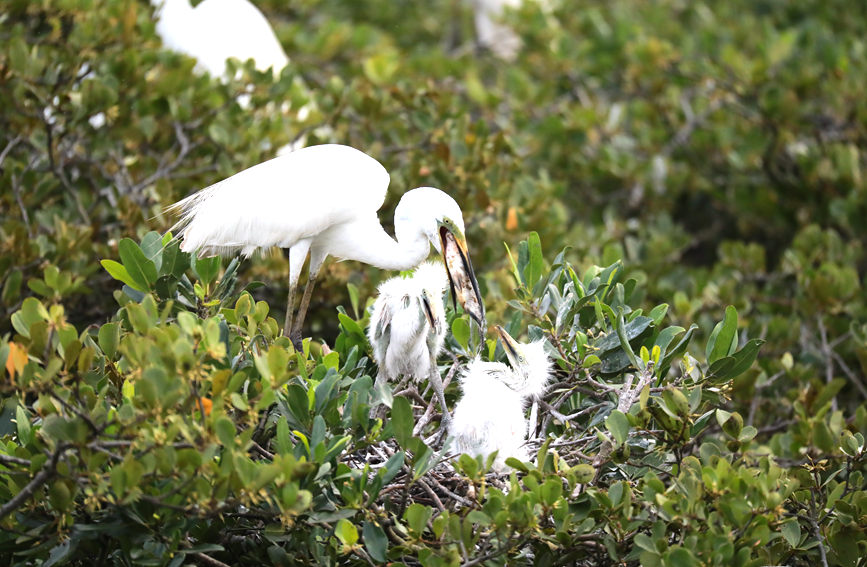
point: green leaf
(108, 338)
(12, 287)
(353, 298)
(375, 541)
(118, 272)
(733, 366)
(723, 339)
(32, 311)
(632, 329)
(350, 325)
(461, 332)
(644, 542)
(679, 557)
(206, 269)
(225, 430)
(417, 516)
(584, 473)
(174, 262)
(675, 352)
(346, 532)
(142, 271)
(791, 531)
(658, 313)
(535, 261)
(402, 420)
(22, 422)
(152, 246)
(618, 425)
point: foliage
(188, 426)
(709, 405)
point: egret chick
(490, 415)
(322, 201)
(407, 328)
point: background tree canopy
(680, 189)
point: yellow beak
(510, 345)
(462, 279)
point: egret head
(530, 362)
(441, 221)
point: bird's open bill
(462, 279)
(510, 345)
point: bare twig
(208, 560)
(628, 396)
(44, 475)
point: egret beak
(428, 313)
(462, 279)
(510, 345)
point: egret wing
(281, 201)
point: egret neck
(365, 240)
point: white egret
(491, 32)
(407, 328)
(322, 200)
(216, 30)
(490, 414)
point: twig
(208, 560)
(627, 398)
(9, 460)
(432, 494)
(44, 475)
(817, 533)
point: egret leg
(295, 335)
(296, 255)
(437, 384)
(290, 309)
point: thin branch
(208, 560)
(44, 475)
(10, 460)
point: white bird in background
(216, 30)
(490, 414)
(322, 200)
(407, 328)
(491, 32)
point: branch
(44, 475)
(627, 397)
(208, 560)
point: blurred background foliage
(717, 149)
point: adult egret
(322, 200)
(216, 30)
(490, 414)
(407, 328)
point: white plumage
(491, 32)
(407, 327)
(490, 414)
(322, 200)
(216, 30)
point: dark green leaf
(375, 541)
(142, 271)
(723, 339)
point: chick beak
(510, 345)
(428, 313)
(462, 279)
